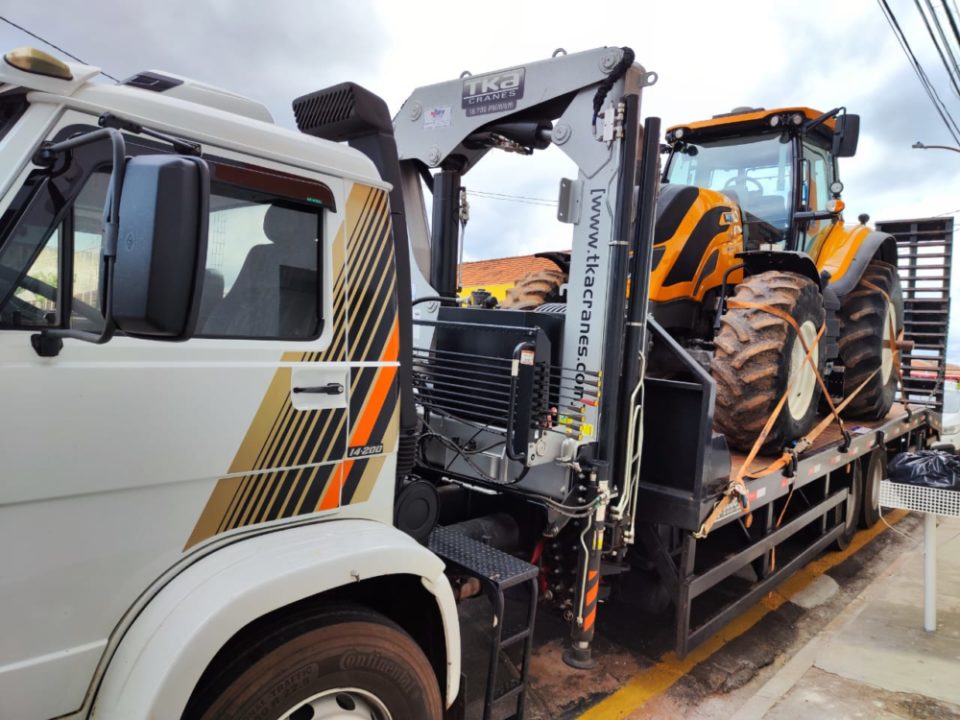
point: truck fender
(163, 654)
(876, 245)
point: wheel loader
(750, 210)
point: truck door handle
(328, 389)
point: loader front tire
(758, 355)
(865, 341)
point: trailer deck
(826, 454)
(752, 550)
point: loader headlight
(796, 118)
(774, 121)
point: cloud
(710, 57)
(271, 52)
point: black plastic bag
(929, 468)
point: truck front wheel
(356, 664)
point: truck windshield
(754, 172)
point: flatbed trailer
(903, 429)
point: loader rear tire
(534, 289)
(864, 341)
(757, 355)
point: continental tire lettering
(375, 662)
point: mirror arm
(182, 146)
(816, 122)
(814, 215)
(49, 341)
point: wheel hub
(339, 704)
(886, 354)
(802, 379)
(877, 472)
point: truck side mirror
(846, 133)
(161, 246)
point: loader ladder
(925, 259)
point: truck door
(118, 458)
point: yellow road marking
(658, 678)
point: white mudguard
(164, 653)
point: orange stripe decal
(378, 393)
(592, 594)
(588, 620)
(331, 495)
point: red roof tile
(501, 271)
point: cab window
(821, 176)
(815, 191)
(263, 270)
(754, 172)
(262, 277)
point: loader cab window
(263, 267)
(815, 184)
(754, 172)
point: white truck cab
(170, 507)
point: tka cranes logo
(493, 93)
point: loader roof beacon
(230, 434)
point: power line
(513, 198)
(55, 47)
(953, 71)
(918, 69)
(951, 19)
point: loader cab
(779, 166)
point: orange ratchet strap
(737, 487)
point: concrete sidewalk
(874, 660)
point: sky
(710, 58)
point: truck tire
(874, 470)
(848, 513)
(864, 341)
(356, 663)
(757, 354)
(534, 289)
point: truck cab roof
(188, 108)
